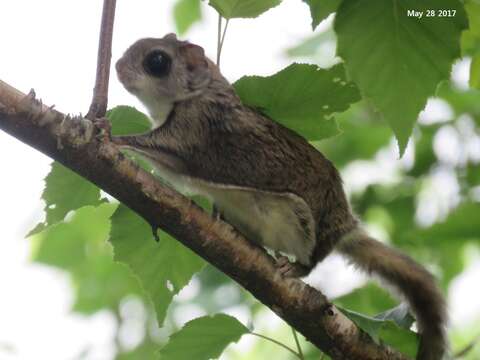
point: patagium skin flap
(266, 180)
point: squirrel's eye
(157, 63)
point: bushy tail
(410, 279)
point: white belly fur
(268, 218)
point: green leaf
(472, 45)
(103, 283)
(302, 97)
(405, 341)
(203, 338)
(320, 9)
(369, 299)
(186, 13)
(148, 349)
(471, 37)
(386, 331)
(475, 72)
(128, 120)
(399, 314)
(65, 191)
(398, 60)
(163, 267)
(472, 7)
(63, 245)
(242, 8)
(79, 247)
(356, 124)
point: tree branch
(98, 107)
(72, 142)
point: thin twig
(278, 343)
(221, 41)
(219, 38)
(98, 107)
(461, 353)
(299, 348)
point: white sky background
(51, 45)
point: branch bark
(72, 142)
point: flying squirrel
(265, 179)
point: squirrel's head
(164, 71)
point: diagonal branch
(72, 142)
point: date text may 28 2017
(432, 13)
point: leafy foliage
(186, 13)
(127, 120)
(242, 8)
(390, 324)
(203, 338)
(397, 62)
(399, 314)
(163, 268)
(78, 246)
(307, 103)
(65, 191)
(387, 330)
(475, 72)
(471, 41)
(320, 9)
(406, 57)
(369, 299)
(361, 121)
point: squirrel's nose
(119, 65)
(122, 70)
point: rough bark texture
(72, 142)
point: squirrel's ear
(170, 37)
(194, 56)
